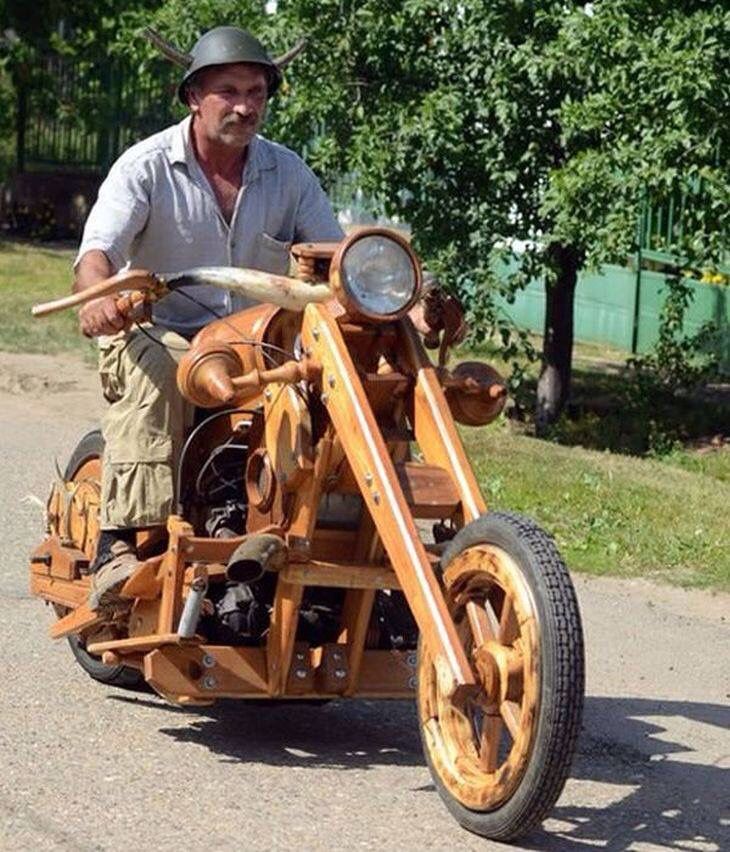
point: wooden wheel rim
(480, 750)
(82, 523)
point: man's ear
(193, 99)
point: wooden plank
(340, 576)
(79, 619)
(64, 592)
(387, 674)
(348, 407)
(206, 672)
(53, 558)
(282, 632)
(429, 490)
(137, 644)
(434, 426)
(173, 574)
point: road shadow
(638, 766)
(657, 788)
(343, 735)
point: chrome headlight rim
(348, 299)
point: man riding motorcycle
(208, 191)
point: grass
(31, 274)
(611, 512)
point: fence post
(637, 285)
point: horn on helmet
(167, 48)
(282, 61)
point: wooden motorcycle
(330, 539)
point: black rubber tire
(91, 446)
(562, 679)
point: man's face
(229, 102)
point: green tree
(507, 131)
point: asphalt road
(87, 767)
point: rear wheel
(84, 470)
(500, 757)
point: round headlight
(379, 276)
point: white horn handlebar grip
(131, 279)
(288, 293)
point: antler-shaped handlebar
(288, 293)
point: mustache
(238, 120)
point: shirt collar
(260, 156)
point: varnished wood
(282, 633)
(435, 431)
(468, 759)
(340, 576)
(81, 618)
(68, 593)
(352, 416)
(135, 645)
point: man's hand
(101, 316)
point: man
(206, 192)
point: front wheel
(500, 757)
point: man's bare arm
(101, 315)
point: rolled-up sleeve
(315, 218)
(118, 216)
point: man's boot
(106, 583)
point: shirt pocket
(272, 255)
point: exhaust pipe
(255, 556)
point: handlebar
(288, 293)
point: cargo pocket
(272, 254)
(110, 347)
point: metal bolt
(412, 682)
(376, 497)
(300, 673)
(337, 656)
(208, 661)
(411, 660)
(315, 332)
(331, 380)
(299, 656)
(340, 674)
(369, 478)
(325, 397)
(267, 393)
(209, 682)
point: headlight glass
(379, 275)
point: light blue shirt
(157, 211)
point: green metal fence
(82, 115)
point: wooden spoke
(491, 734)
(481, 625)
(492, 618)
(510, 712)
(480, 747)
(507, 621)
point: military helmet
(224, 45)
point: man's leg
(143, 429)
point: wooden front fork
(350, 412)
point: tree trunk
(553, 386)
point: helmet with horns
(221, 46)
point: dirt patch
(57, 383)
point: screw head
(412, 682)
(208, 661)
(300, 673)
(267, 393)
(331, 380)
(324, 398)
(340, 674)
(376, 497)
(369, 478)
(209, 682)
